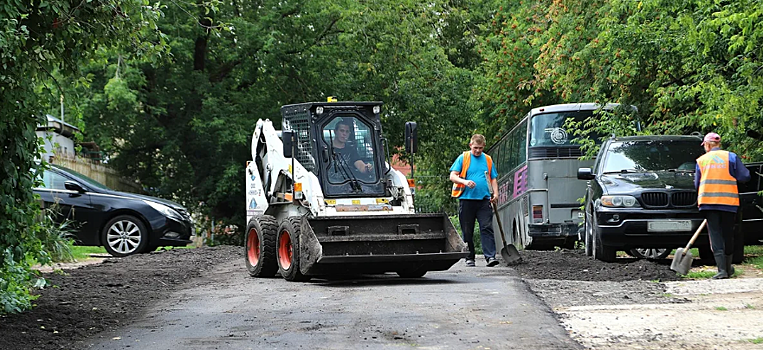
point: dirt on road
(631, 304)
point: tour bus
(538, 189)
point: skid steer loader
(322, 199)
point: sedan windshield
(641, 156)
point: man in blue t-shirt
(474, 198)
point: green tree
(37, 38)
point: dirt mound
(95, 298)
(576, 266)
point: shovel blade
(510, 254)
(681, 261)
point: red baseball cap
(711, 137)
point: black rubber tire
(120, 238)
(588, 238)
(600, 251)
(706, 254)
(738, 245)
(650, 254)
(260, 246)
(287, 252)
(412, 273)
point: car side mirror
(585, 174)
(288, 143)
(73, 186)
(411, 137)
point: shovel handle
(696, 234)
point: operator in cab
(348, 153)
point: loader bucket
(378, 244)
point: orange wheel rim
(285, 253)
(253, 247)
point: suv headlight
(619, 201)
(165, 210)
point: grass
(754, 256)
(667, 295)
(757, 340)
(700, 275)
(721, 308)
(83, 253)
(749, 306)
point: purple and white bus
(538, 189)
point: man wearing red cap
(716, 177)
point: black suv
(641, 198)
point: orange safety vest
(717, 186)
(458, 189)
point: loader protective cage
(307, 121)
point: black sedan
(123, 223)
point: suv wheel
(600, 251)
(588, 237)
(650, 253)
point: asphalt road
(462, 308)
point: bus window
(522, 137)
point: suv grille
(684, 199)
(655, 199)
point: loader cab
(344, 149)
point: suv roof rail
(695, 133)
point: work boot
(729, 266)
(720, 261)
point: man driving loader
(349, 154)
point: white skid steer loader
(323, 200)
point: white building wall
(55, 142)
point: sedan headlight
(619, 201)
(165, 210)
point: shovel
(683, 258)
(509, 252)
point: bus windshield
(549, 129)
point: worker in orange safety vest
(716, 177)
(471, 174)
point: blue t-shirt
(476, 173)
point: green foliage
(36, 39)
(15, 280)
(56, 238)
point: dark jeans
(720, 226)
(481, 210)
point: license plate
(669, 226)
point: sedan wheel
(650, 253)
(124, 235)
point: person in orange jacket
(470, 186)
(716, 176)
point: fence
(97, 172)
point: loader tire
(260, 243)
(287, 250)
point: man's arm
(697, 176)
(458, 180)
(494, 183)
(739, 171)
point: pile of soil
(82, 302)
(574, 265)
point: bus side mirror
(585, 174)
(288, 143)
(411, 138)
